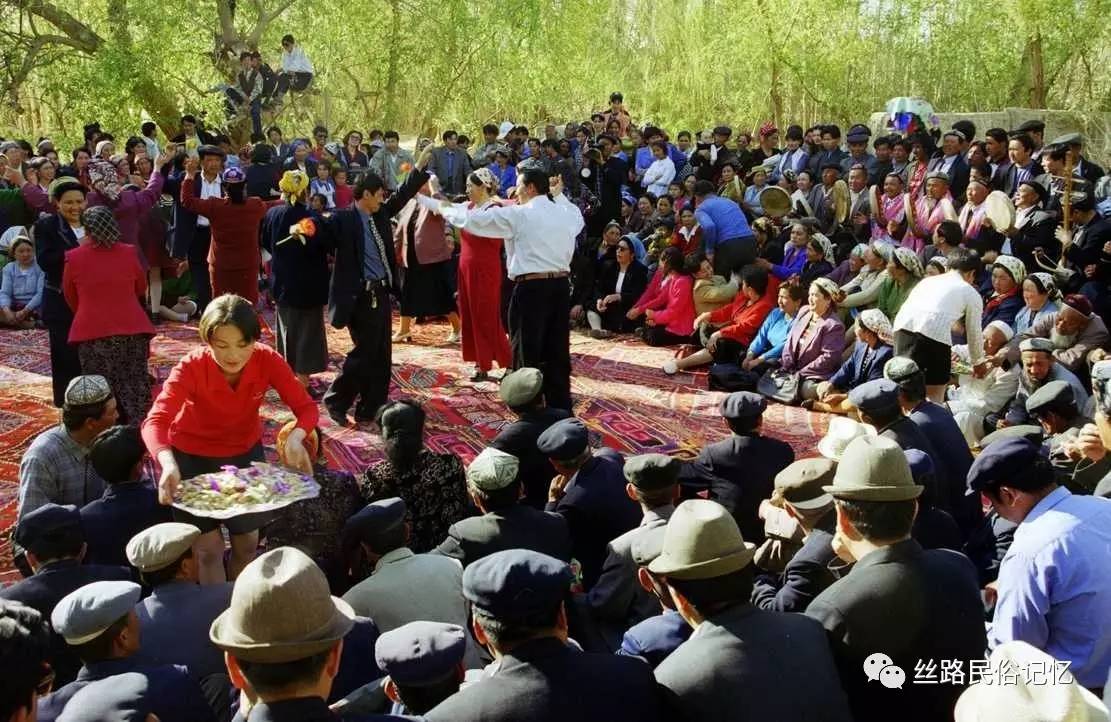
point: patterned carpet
(619, 391)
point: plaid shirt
(56, 469)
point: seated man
(1052, 590)
(176, 616)
(1054, 407)
(522, 392)
(99, 622)
(971, 400)
(589, 493)
(1074, 332)
(517, 601)
(25, 649)
(130, 503)
(424, 664)
(739, 471)
(933, 528)
(506, 521)
(736, 650)
(658, 636)
(1039, 367)
(913, 605)
(807, 573)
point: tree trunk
(393, 59)
(1037, 71)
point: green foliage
(680, 63)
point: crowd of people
(943, 298)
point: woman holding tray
(207, 417)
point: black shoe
(339, 417)
(480, 376)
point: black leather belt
(373, 284)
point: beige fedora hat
(842, 431)
(702, 541)
(281, 610)
(1036, 694)
(873, 468)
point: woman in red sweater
(669, 316)
(102, 283)
(233, 258)
(207, 416)
(738, 322)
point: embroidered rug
(619, 391)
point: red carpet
(618, 388)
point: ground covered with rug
(619, 391)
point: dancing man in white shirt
(539, 235)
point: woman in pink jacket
(669, 314)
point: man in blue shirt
(1053, 589)
(726, 236)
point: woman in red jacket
(207, 416)
(233, 258)
(738, 322)
(669, 316)
(102, 283)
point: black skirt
(427, 289)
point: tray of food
(233, 491)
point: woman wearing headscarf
(233, 258)
(904, 271)
(433, 486)
(103, 281)
(1006, 298)
(1040, 297)
(53, 236)
(424, 244)
(889, 223)
(847, 270)
(819, 252)
(870, 352)
(817, 337)
(299, 274)
(128, 205)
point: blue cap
(420, 653)
(516, 584)
(564, 440)
(878, 395)
(1005, 460)
(49, 527)
(920, 463)
(1054, 396)
(376, 522)
(88, 612)
(743, 405)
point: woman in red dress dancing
(480, 281)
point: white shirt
(620, 281)
(208, 190)
(295, 61)
(935, 303)
(658, 176)
(78, 232)
(152, 148)
(539, 235)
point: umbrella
(908, 115)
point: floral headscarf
(487, 178)
(101, 226)
(824, 243)
(877, 322)
(1013, 266)
(828, 287)
(908, 260)
(1045, 283)
(105, 179)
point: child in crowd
(324, 185)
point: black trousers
(733, 254)
(198, 267)
(540, 334)
(365, 374)
(65, 364)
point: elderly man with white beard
(973, 399)
(1074, 332)
(1039, 367)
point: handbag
(780, 385)
(731, 377)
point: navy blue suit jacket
(122, 512)
(806, 576)
(854, 372)
(954, 459)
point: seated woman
(669, 316)
(819, 253)
(817, 337)
(731, 186)
(848, 269)
(758, 176)
(766, 349)
(863, 291)
(870, 353)
(1041, 297)
(904, 270)
(794, 255)
(21, 287)
(737, 323)
(767, 244)
(619, 285)
(937, 266)
(710, 292)
(1006, 299)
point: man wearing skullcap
(1075, 330)
(739, 471)
(617, 600)
(971, 400)
(176, 616)
(952, 162)
(424, 664)
(506, 522)
(56, 467)
(99, 622)
(1039, 367)
(517, 599)
(522, 391)
(1052, 592)
(589, 493)
(736, 650)
(54, 543)
(910, 604)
